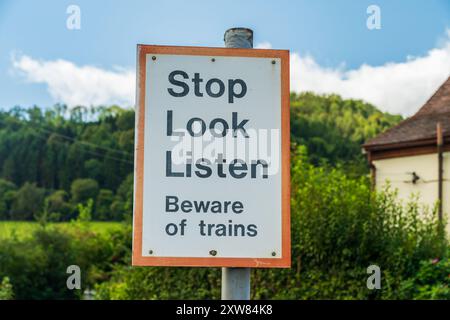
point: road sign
(212, 157)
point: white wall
(398, 172)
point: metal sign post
(236, 281)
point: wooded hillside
(52, 160)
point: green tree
(103, 205)
(58, 205)
(93, 169)
(83, 189)
(122, 206)
(28, 202)
(333, 129)
(62, 145)
(7, 189)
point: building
(414, 156)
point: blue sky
(329, 39)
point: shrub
(83, 189)
(58, 205)
(37, 266)
(161, 283)
(103, 204)
(27, 202)
(7, 193)
(339, 228)
(432, 281)
(6, 292)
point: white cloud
(393, 87)
(79, 85)
(264, 45)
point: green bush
(103, 204)
(432, 281)
(339, 228)
(6, 292)
(36, 266)
(28, 201)
(7, 193)
(58, 205)
(161, 283)
(83, 189)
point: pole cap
(238, 38)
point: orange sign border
(137, 259)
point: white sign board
(212, 157)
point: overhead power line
(85, 143)
(91, 152)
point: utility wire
(90, 151)
(86, 142)
(81, 142)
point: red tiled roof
(422, 125)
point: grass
(24, 229)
